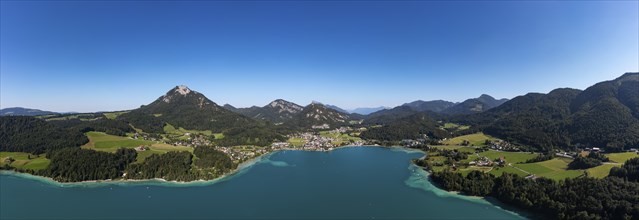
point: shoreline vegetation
(238, 170)
(584, 197)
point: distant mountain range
(476, 105)
(366, 111)
(284, 112)
(604, 115)
(18, 111)
(278, 111)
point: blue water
(356, 182)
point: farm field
(109, 143)
(601, 171)
(621, 157)
(170, 129)
(455, 126)
(476, 139)
(556, 168)
(456, 147)
(339, 137)
(22, 161)
(296, 141)
(113, 115)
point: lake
(352, 182)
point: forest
(208, 157)
(36, 136)
(75, 164)
(174, 165)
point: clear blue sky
(98, 56)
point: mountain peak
(285, 106)
(485, 96)
(182, 89)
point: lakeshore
(352, 182)
(242, 167)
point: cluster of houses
(413, 143)
(241, 154)
(486, 162)
(501, 145)
(142, 148)
(144, 136)
(318, 142)
(323, 126)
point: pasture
(22, 161)
(476, 139)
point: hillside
(317, 114)
(389, 115)
(277, 111)
(414, 126)
(182, 107)
(474, 105)
(433, 106)
(33, 135)
(603, 116)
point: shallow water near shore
(354, 182)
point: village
(311, 141)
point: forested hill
(182, 107)
(33, 135)
(415, 126)
(317, 114)
(433, 106)
(277, 111)
(18, 111)
(603, 115)
(470, 106)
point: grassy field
(297, 142)
(601, 171)
(113, 115)
(510, 157)
(498, 171)
(218, 135)
(621, 157)
(456, 147)
(476, 139)
(455, 126)
(339, 137)
(22, 160)
(556, 169)
(170, 129)
(110, 143)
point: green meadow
(455, 126)
(556, 168)
(476, 139)
(22, 161)
(621, 157)
(113, 115)
(170, 129)
(110, 143)
(340, 138)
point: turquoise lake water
(351, 183)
